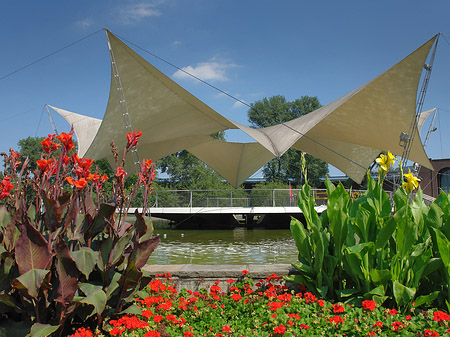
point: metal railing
(235, 198)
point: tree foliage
(275, 110)
(186, 171)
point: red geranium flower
(440, 316)
(430, 333)
(337, 308)
(369, 305)
(281, 329)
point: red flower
(236, 297)
(397, 325)
(188, 334)
(304, 326)
(133, 138)
(408, 317)
(66, 139)
(120, 173)
(281, 329)
(48, 146)
(44, 164)
(321, 303)
(152, 333)
(337, 319)
(371, 333)
(245, 272)
(337, 308)
(226, 328)
(157, 318)
(440, 316)
(80, 183)
(369, 305)
(392, 312)
(377, 325)
(5, 187)
(230, 281)
(430, 333)
(82, 332)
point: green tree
(31, 147)
(186, 171)
(275, 110)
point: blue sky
(250, 49)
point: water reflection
(239, 246)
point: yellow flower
(411, 182)
(386, 161)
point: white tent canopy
(348, 133)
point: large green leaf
(385, 233)
(405, 236)
(118, 249)
(32, 282)
(97, 299)
(32, 251)
(4, 217)
(380, 276)
(42, 330)
(444, 247)
(301, 238)
(85, 259)
(402, 294)
(426, 299)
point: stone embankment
(194, 276)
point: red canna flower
(80, 183)
(66, 139)
(48, 145)
(5, 187)
(44, 164)
(133, 138)
(121, 174)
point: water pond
(238, 246)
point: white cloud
(238, 104)
(176, 43)
(136, 12)
(207, 71)
(86, 23)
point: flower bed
(265, 308)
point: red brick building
(433, 181)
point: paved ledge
(195, 276)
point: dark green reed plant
(66, 256)
(369, 248)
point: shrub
(66, 255)
(369, 249)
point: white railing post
(273, 198)
(190, 199)
(156, 199)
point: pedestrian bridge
(219, 209)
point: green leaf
(89, 288)
(131, 310)
(5, 218)
(42, 330)
(444, 247)
(7, 300)
(97, 299)
(385, 233)
(426, 299)
(118, 249)
(301, 239)
(380, 276)
(85, 259)
(402, 294)
(32, 282)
